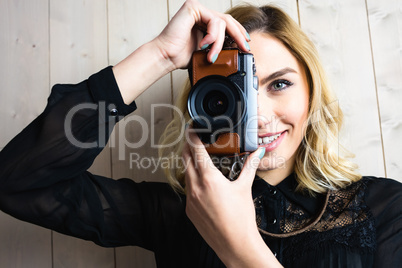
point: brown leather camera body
(227, 64)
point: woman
(305, 207)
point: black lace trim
(359, 237)
(346, 221)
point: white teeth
(268, 140)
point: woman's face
(283, 106)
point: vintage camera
(223, 101)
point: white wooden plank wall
(24, 87)
(79, 47)
(340, 32)
(385, 20)
(47, 42)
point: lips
(268, 139)
(271, 140)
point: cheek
(296, 111)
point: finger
(190, 172)
(242, 30)
(215, 29)
(216, 32)
(250, 166)
(215, 36)
(201, 158)
(237, 32)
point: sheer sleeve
(384, 197)
(43, 177)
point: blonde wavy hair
(321, 163)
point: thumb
(250, 166)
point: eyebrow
(277, 74)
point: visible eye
(279, 85)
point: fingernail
(204, 46)
(247, 45)
(262, 152)
(248, 36)
(214, 58)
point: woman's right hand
(182, 36)
(173, 47)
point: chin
(265, 169)
(272, 161)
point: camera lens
(215, 103)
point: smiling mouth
(268, 140)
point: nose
(265, 113)
(262, 122)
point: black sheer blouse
(43, 180)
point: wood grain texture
(71, 252)
(78, 39)
(24, 87)
(359, 42)
(340, 32)
(134, 257)
(385, 18)
(180, 77)
(23, 244)
(78, 45)
(131, 24)
(24, 76)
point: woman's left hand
(223, 211)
